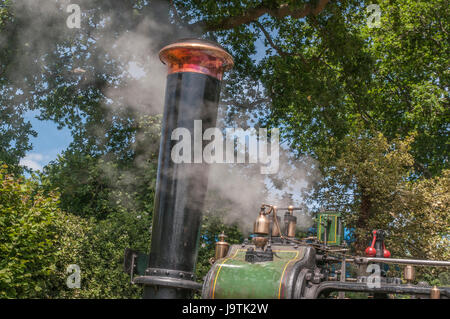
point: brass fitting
(435, 293)
(409, 273)
(292, 226)
(275, 226)
(262, 224)
(260, 242)
(221, 247)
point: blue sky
(47, 145)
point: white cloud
(33, 161)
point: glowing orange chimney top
(194, 55)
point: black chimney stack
(195, 70)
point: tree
(326, 78)
(421, 220)
(324, 69)
(372, 182)
(99, 254)
(14, 131)
(431, 240)
(119, 174)
(364, 181)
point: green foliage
(28, 237)
(350, 96)
(323, 69)
(84, 187)
(421, 222)
(113, 193)
(324, 75)
(372, 183)
(410, 88)
(99, 253)
(38, 242)
(94, 184)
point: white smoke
(108, 42)
(242, 188)
(144, 76)
(136, 82)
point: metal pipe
(418, 262)
(195, 69)
(341, 294)
(384, 288)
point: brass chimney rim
(196, 55)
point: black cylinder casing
(181, 188)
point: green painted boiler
(234, 277)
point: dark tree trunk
(362, 222)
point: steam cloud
(108, 42)
(137, 82)
(245, 189)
